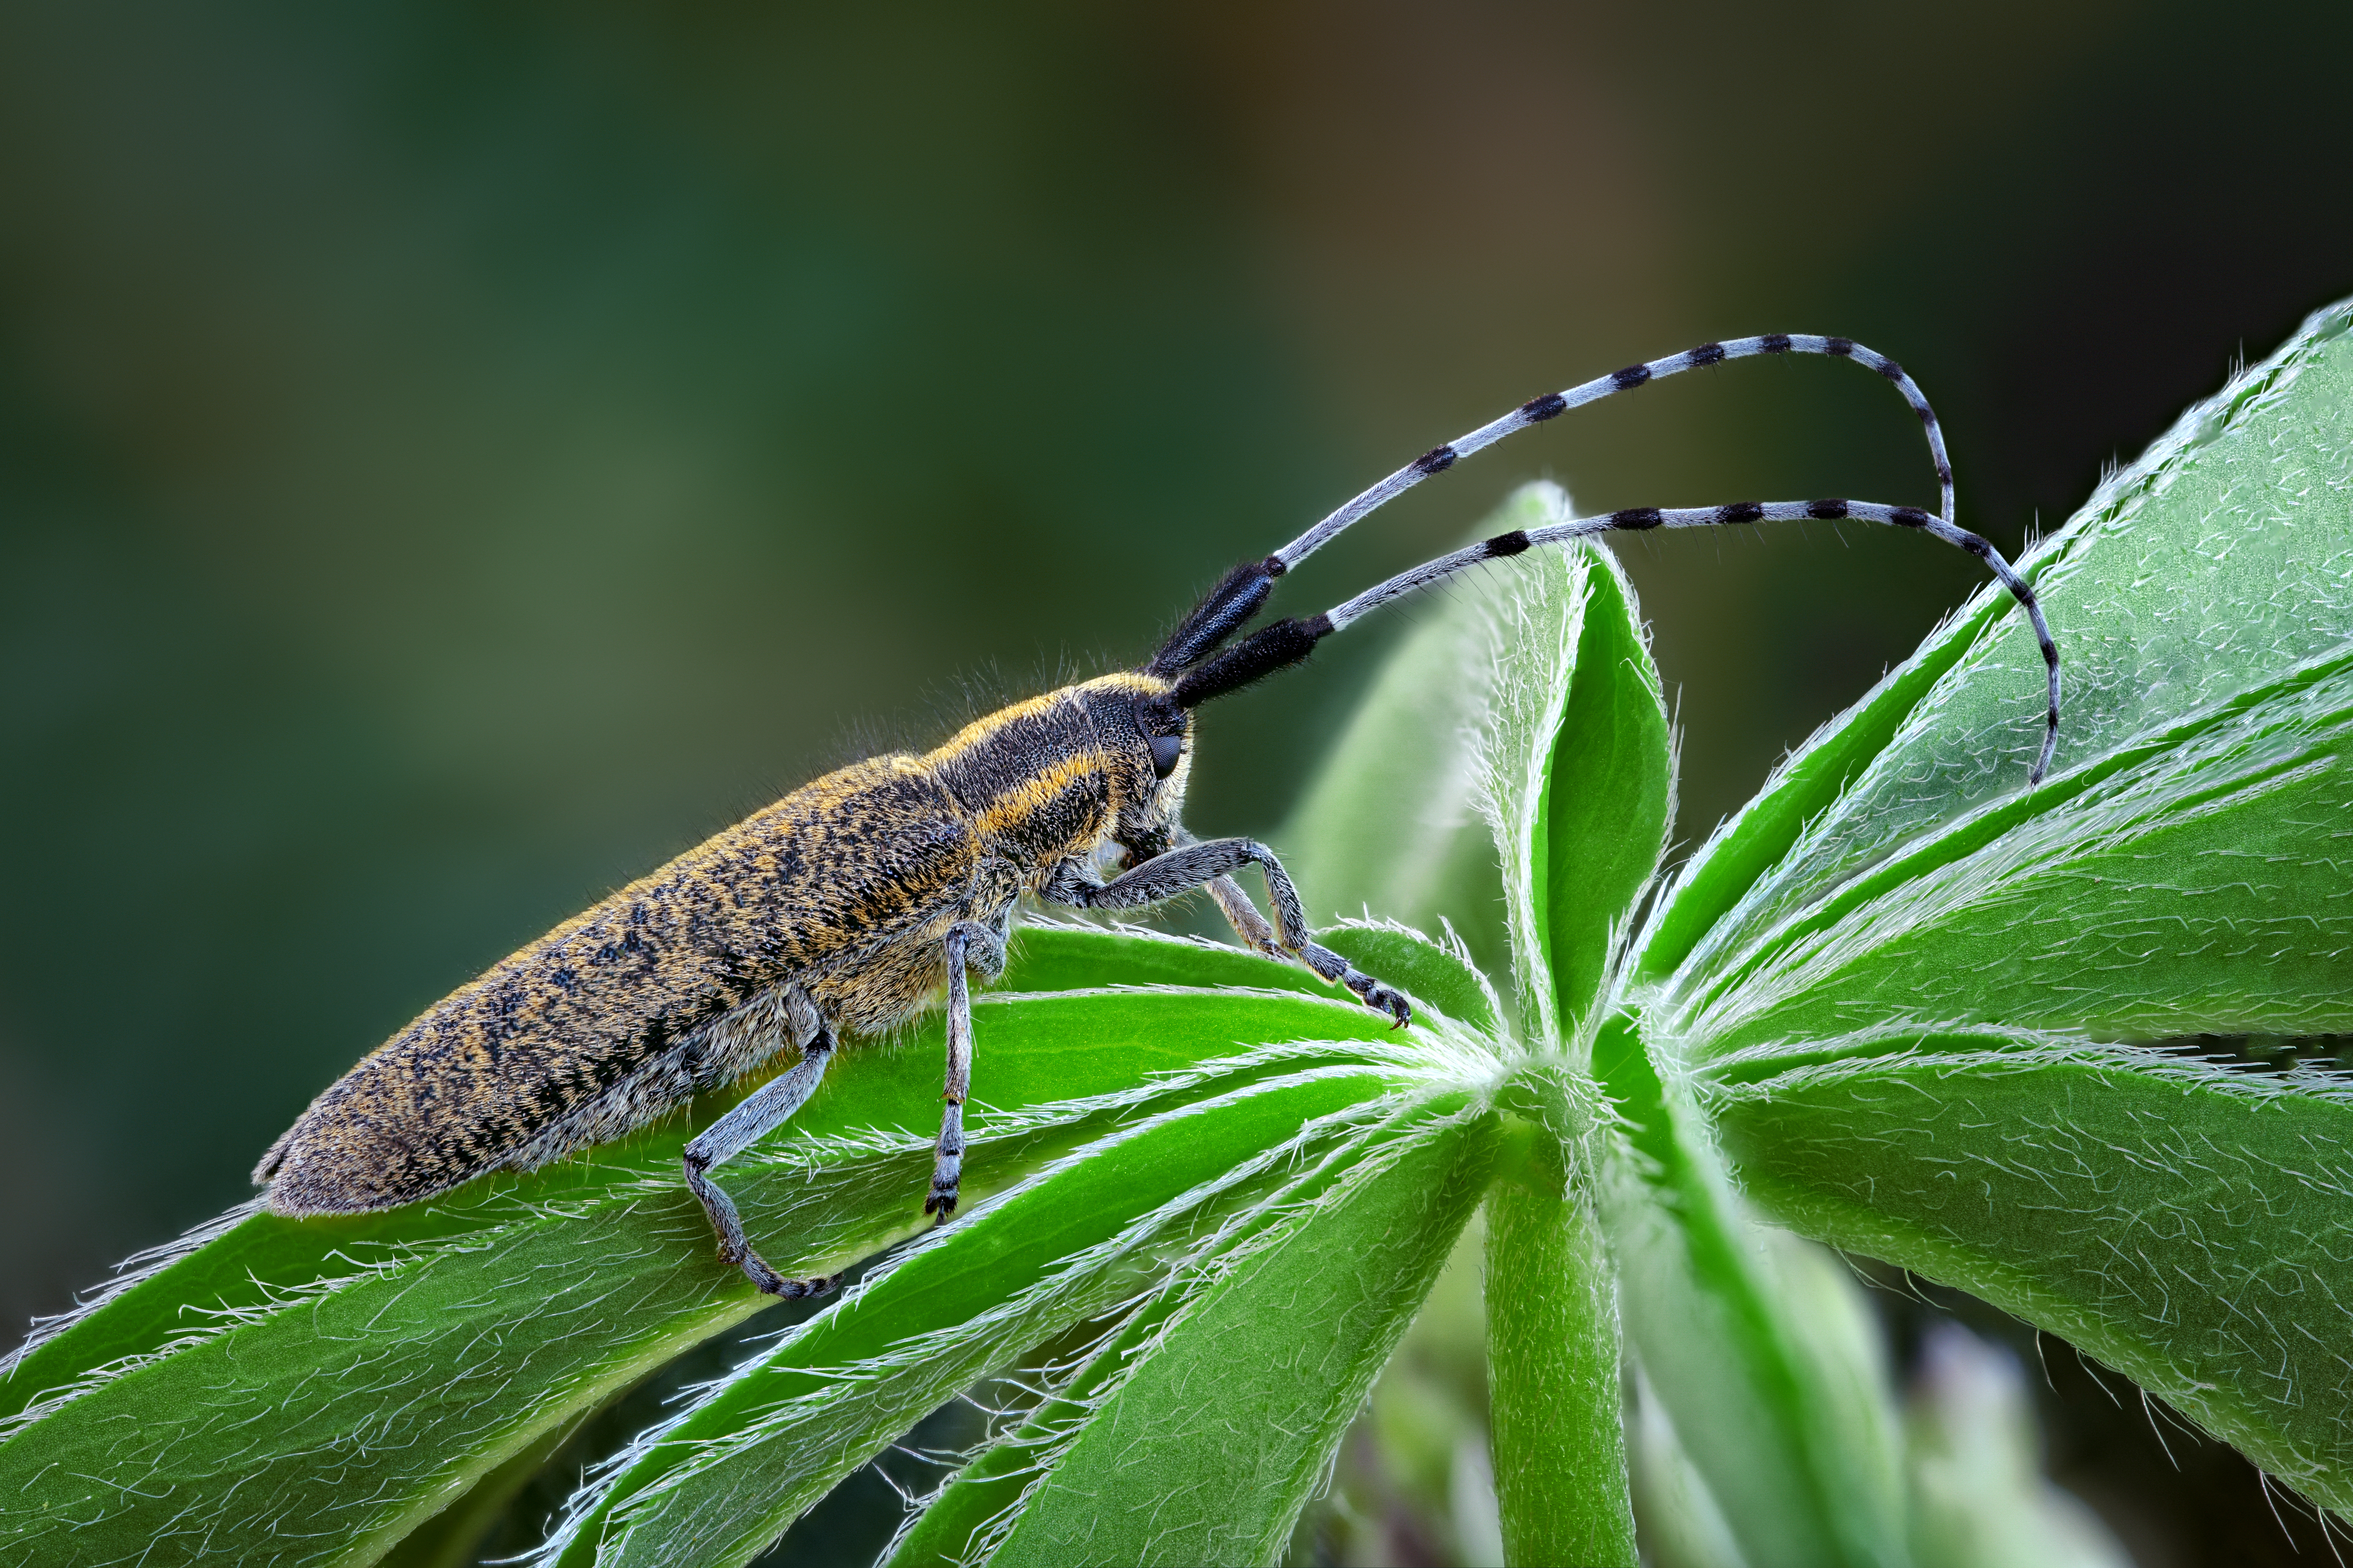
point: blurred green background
(454, 457)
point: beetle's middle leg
(1209, 865)
(969, 943)
(759, 1115)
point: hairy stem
(1552, 1360)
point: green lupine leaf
(967, 1517)
(353, 1411)
(1184, 1462)
(1052, 956)
(2198, 883)
(2189, 1226)
(964, 1520)
(2204, 581)
(356, 1374)
(1761, 834)
(722, 1481)
(1538, 632)
(1434, 976)
(1607, 794)
(1889, 1024)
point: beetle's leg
(979, 947)
(1251, 927)
(1200, 864)
(1243, 916)
(729, 1136)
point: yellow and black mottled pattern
(843, 892)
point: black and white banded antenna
(1191, 654)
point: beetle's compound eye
(1166, 751)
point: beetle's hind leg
(1198, 864)
(969, 945)
(729, 1136)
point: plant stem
(1553, 1372)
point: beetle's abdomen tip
(330, 1168)
(300, 1188)
(273, 1160)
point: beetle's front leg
(1198, 864)
(969, 943)
(1253, 928)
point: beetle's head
(1147, 741)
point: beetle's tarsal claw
(948, 1185)
(947, 1165)
(1380, 998)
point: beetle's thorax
(1057, 777)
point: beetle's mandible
(857, 901)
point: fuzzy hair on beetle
(863, 897)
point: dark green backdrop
(453, 456)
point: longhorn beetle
(847, 906)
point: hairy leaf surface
(726, 1479)
(1184, 1462)
(351, 1376)
(2203, 602)
(1897, 1024)
(2191, 1227)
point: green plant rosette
(1903, 1003)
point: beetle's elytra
(856, 900)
